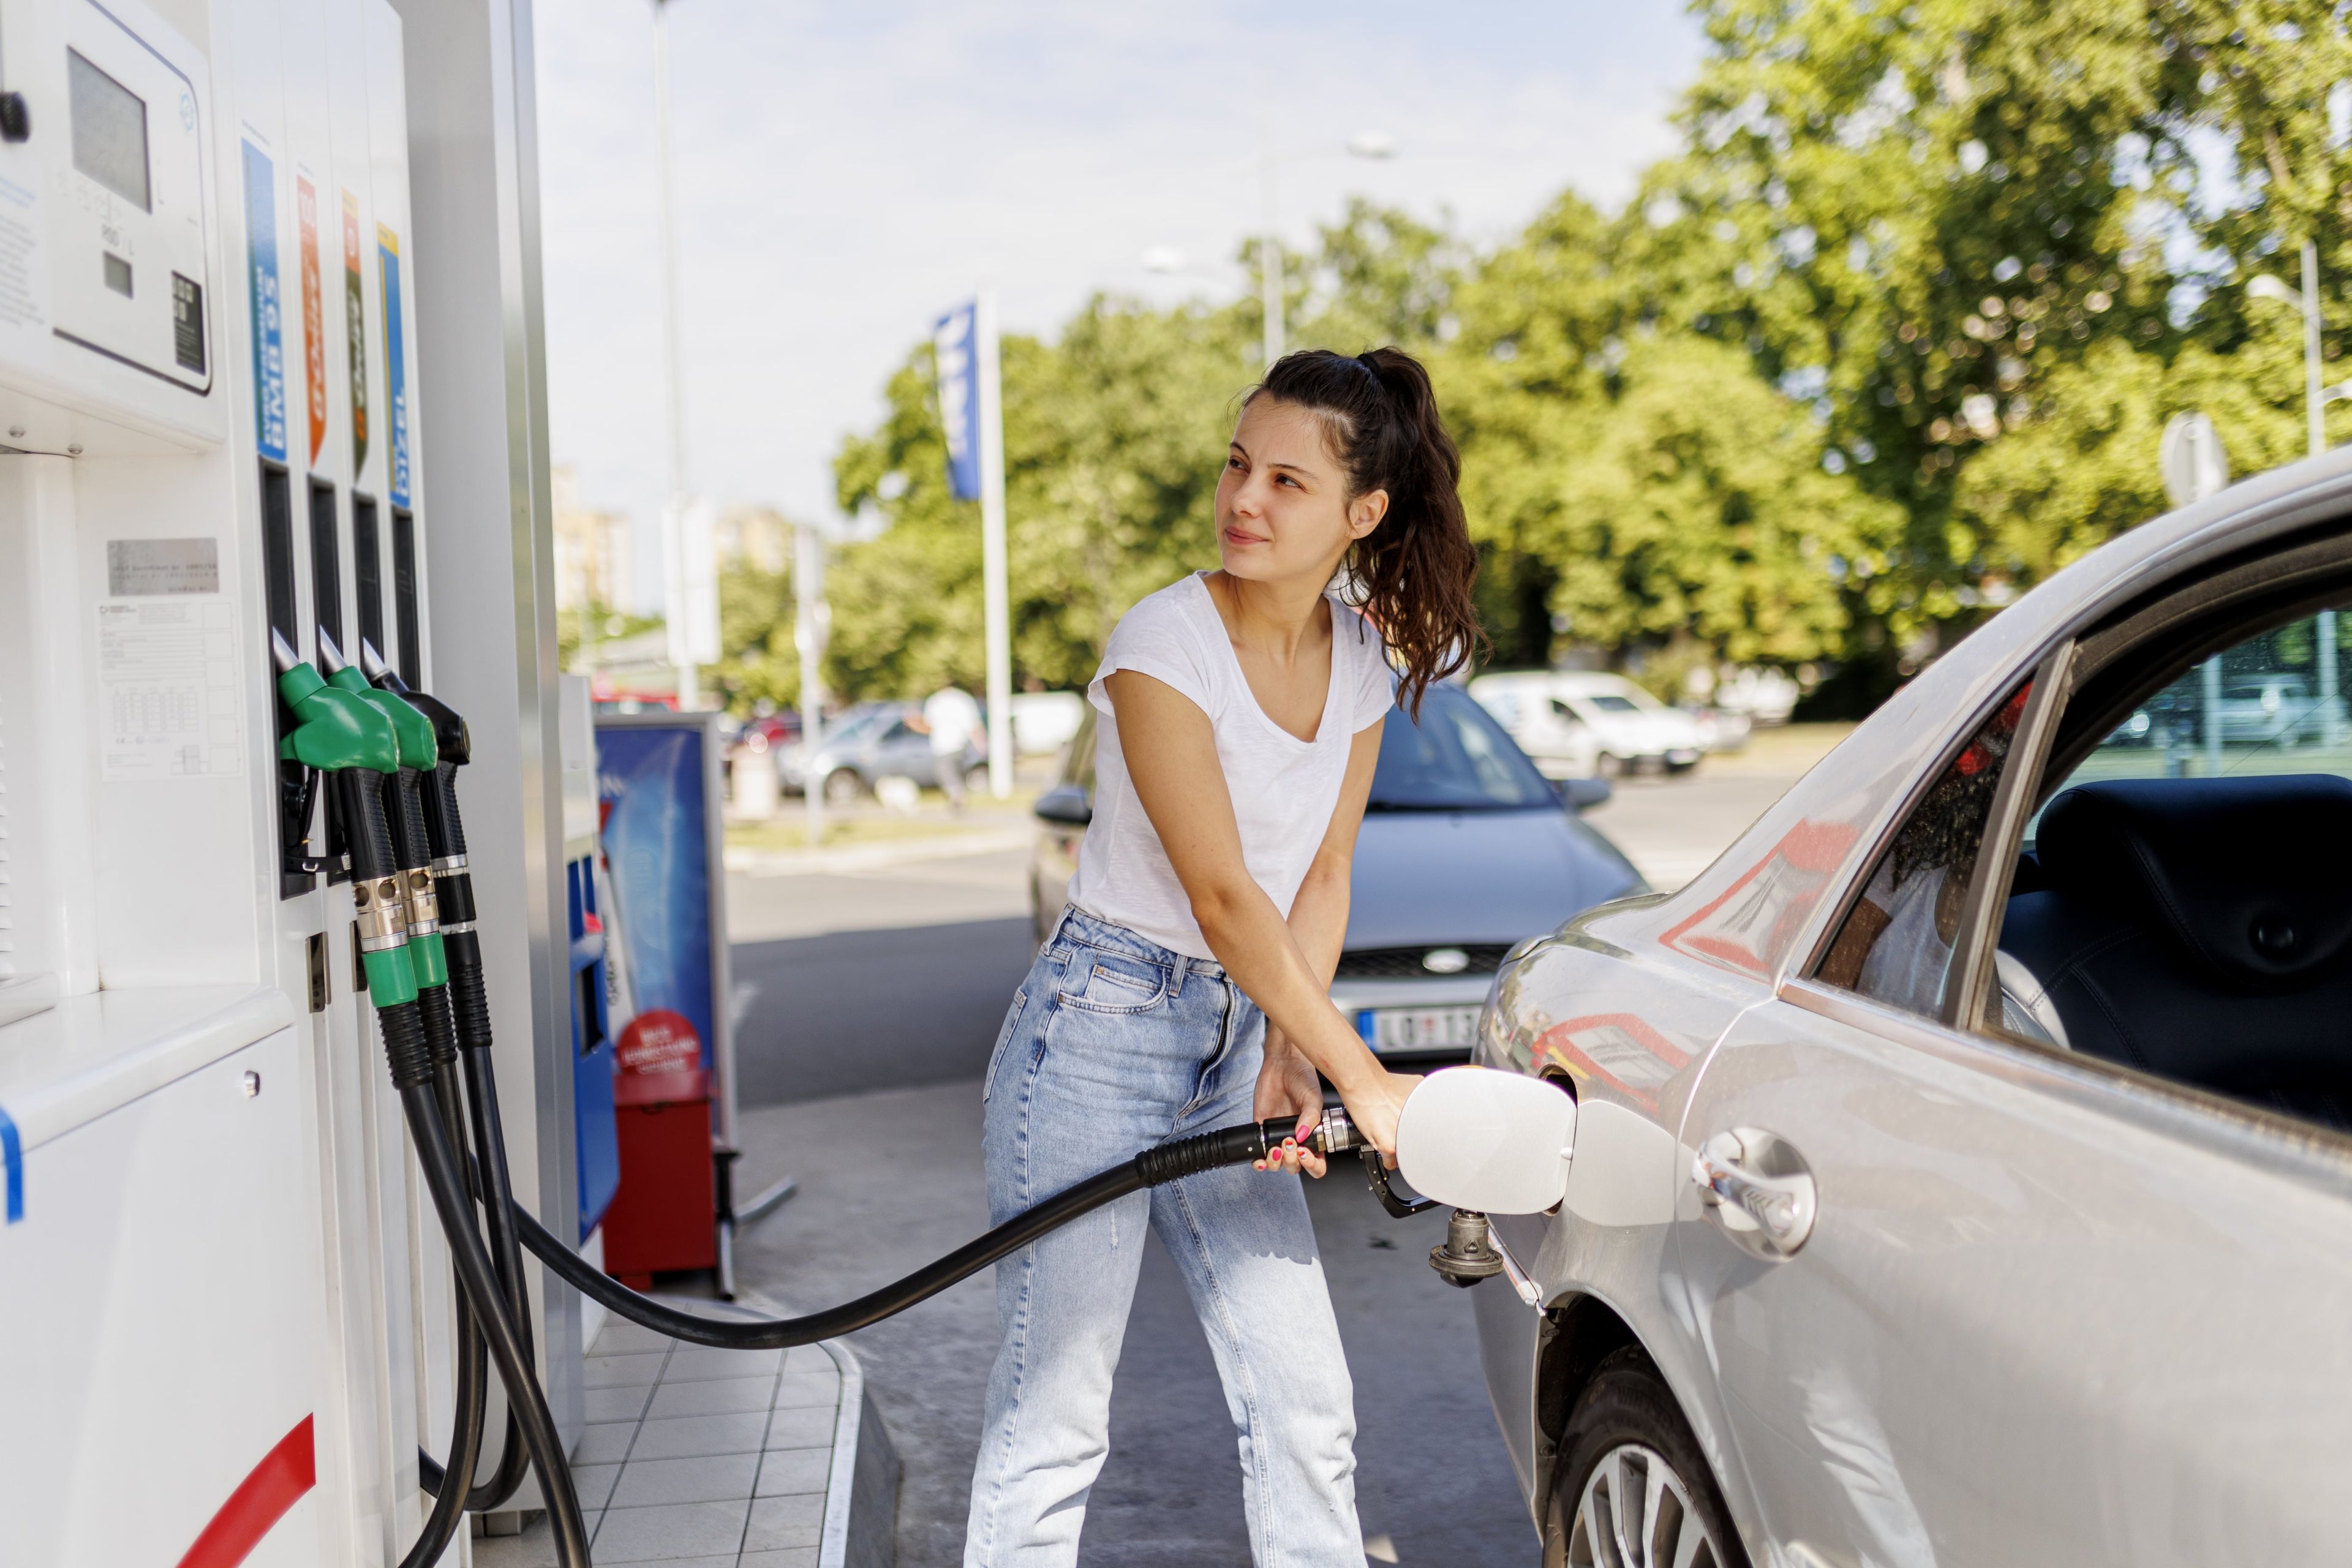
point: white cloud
(846, 173)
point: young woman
(1187, 984)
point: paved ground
(891, 1180)
(867, 1001)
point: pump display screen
(109, 131)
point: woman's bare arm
(1170, 752)
(1318, 922)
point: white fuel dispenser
(224, 1320)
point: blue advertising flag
(956, 341)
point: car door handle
(1757, 1190)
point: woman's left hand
(1286, 1086)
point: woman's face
(1283, 506)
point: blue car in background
(1465, 851)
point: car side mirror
(1582, 795)
(1065, 804)
(1473, 1138)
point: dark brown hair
(1411, 574)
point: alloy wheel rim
(1635, 1512)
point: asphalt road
(850, 1012)
(866, 1002)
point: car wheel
(1632, 1489)
(1609, 765)
(1682, 767)
(843, 787)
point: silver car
(1961, 1169)
(1464, 850)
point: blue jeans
(1113, 1045)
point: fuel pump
(358, 738)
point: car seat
(2200, 930)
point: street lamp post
(672, 374)
(2315, 399)
(1370, 144)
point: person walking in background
(1187, 985)
(953, 719)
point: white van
(1578, 723)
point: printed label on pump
(261, 268)
(395, 372)
(314, 313)
(138, 567)
(24, 266)
(167, 677)
(355, 335)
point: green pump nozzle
(404, 810)
(346, 736)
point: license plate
(1418, 1029)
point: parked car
(1466, 849)
(869, 744)
(2261, 710)
(1583, 723)
(1044, 722)
(1767, 696)
(1720, 728)
(1962, 1164)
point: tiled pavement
(696, 1459)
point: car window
(1896, 943)
(1456, 757)
(2270, 704)
(1610, 702)
(1078, 764)
(2182, 904)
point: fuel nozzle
(444, 835)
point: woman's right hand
(1374, 1102)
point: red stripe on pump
(261, 1500)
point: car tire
(1678, 768)
(843, 787)
(1609, 765)
(1625, 1434)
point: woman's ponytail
(1410, 575)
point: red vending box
(658, 789)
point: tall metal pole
(2314, 404)
(994, 568)
(673, 374)
(809, 626)
(1269, 255)
(2315, 414)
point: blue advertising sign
(956, 340)
(654, 789)
(269, 341)
(395, 363)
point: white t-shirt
(1284, 789)
(952, 716)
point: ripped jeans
(1113, 1045)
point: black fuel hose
(1153, 1167)
(476, 1277)
(514, 1459)
(449, 1512)
(506, 1253)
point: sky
(846, 174)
